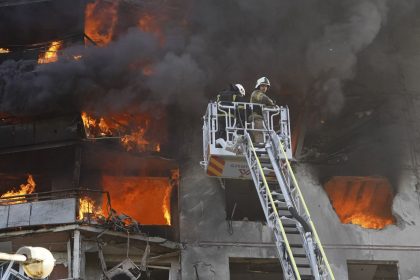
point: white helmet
(262, 81)
(240, 89)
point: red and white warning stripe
(216, 166)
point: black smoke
(324, 53)
(349, 64)
(309, 48)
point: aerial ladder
(230, 151)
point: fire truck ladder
(298, 246)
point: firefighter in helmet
(259, 96)
(235, 93)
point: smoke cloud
(310, 49)
(335, 59)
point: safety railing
(227, 120)
(51, 195)
(88, 200)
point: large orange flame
(50, 55)
(27, 188)
(4, 50)
(101, 20)
(131, 130)
(146, 199)
(363, 201)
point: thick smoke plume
(322, 54)
(309, 48)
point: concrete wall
(398, 242)
(205, 232)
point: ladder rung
(263, 157)
(299, 255)
(264, 160)
(278, 201)
(291, 231)
(289, 225)
(259, 145)
(286, 216)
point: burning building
(100, 134)
(70, 177)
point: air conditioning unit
(126, 270)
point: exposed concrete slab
(19, 215)
(60, 211)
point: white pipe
(12, 257)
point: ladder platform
(230, 152)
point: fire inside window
(363, 201)
(138, 132)
(146, 199)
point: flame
(150, 24)
(165, 206)
(24, 189)
(3, 50)
(101, 20)
(132, 130)
(146, 199)
(51, 54)
(363, 201)
(88, 207)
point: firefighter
(259, 96)
(235, 93)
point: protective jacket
(260, 97)
(229, 95)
